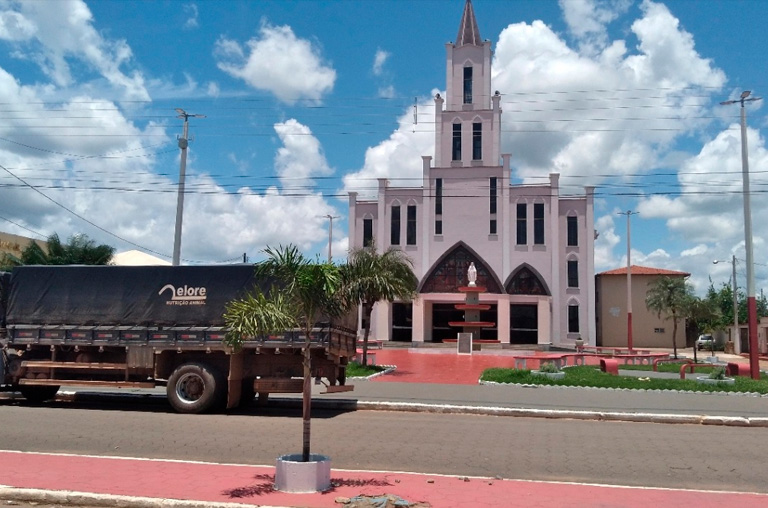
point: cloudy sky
(305, 100)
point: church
(532, 249)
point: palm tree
(304, 292)
(79, 250)
(370, 277)
(670, 296)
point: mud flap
(235, 379)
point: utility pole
(754, 361)
(629, 213)
(330, 233)
(183, 144)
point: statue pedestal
(471, 325)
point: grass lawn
(591, 376)
(354, 369)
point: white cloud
(301, 156)
(192, 21)
(272, 61)
(379, 60)
(53, 33)
(587, 20)
(399, 157)
(387, 92)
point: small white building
(533, 248)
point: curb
(71, 498)
(416, 407)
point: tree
(370, 277)
(79, 250)
(704, 317)
(304, 292)
(670, 296)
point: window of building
(522, 224)
(438, 227)
(492, 203)
(467, 85)
(438, 196)
(410, 232)
(573, 319)
(493, 226)
(456, 152)
(367, 232)
(573, 231)
(394, 237)
(477, 141)
(573, 274)
(538, 223)
(658, 330)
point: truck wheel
(195, 388)
(38, 394)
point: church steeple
(468, 32)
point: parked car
(705, 341)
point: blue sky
(305, 100)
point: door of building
(524, 324)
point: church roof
(468, 32)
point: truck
(150, 326)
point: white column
(589, 299)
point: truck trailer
(148, 326)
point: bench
(558, 360)
(371, 357)
(657, 361)
(646, 358)
(372, 344)
(738, 369)
(694, 366)
(609, 366)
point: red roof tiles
(645, 270)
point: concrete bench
(609, 366)
(694, 366)
(371, 357)
(738, 369)
(646, 358)
(372, 344)
(558, 360)
(657, 361)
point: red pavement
(252, 485)
(444, 366)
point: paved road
(674, 456)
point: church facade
(532, 248)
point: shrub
(549, 367)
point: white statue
(472, 275)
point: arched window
(450, 273)
(526, 282)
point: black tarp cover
(125, 295)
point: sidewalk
(136, 483)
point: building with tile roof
(648, 329)
(532, 247)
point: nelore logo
(185, 295)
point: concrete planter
(293, 475)
(709, 381)
(550, 375)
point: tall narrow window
(438, 196)
(467, 85)
(456, 152)
(522, 224)
(477, 141)
(394, 237)
(573, 274)
(538, 223)
(493, 227)
(573, 319)
(438, 227)
(367, 232)
(492, 204)
(410, 231)
(573, 231)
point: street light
(330, 232)
(183, 143)
(736, 341)
(754, 363)
(629, 213)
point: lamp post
(754, 363)
(735, 302)
(629, 213)
(330, 233)
(183, 143)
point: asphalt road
(641, 454)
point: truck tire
(38, 394)
(196, 388)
